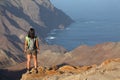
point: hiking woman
(30, 48)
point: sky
(89, 8)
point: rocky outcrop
(17, 16)
(108, 70)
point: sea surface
(96, 22)
(86, 32)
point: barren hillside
(17, 16)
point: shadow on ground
(11, 75)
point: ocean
(85, 32)
(96, 22)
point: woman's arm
(37, 45)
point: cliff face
(17, 16)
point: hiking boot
(28, 71)
(36, 71)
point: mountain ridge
(17, 16)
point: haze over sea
(96, 21)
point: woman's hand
(38, 50)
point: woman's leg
(28, 61)
(35, 61)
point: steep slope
(17, 16)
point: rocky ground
(108, 70)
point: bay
(96, 22)
(86, 32)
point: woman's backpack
(31, 43)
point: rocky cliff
(17, 16)
(108, 70)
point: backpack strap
(28, 40)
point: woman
(30, 48)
